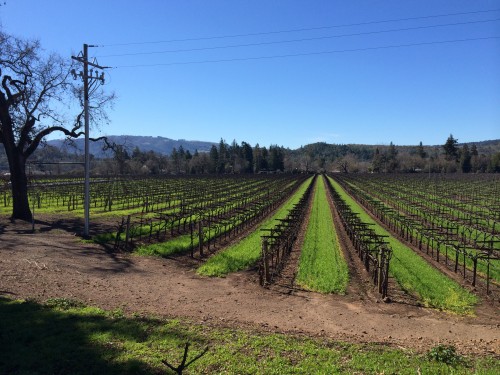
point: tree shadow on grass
(35, 339)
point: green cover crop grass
(414, 274)
(322, 267)
(246, 252)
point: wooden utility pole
(88, 82)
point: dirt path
(55, 263)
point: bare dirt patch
(54, 262)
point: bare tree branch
(34, 92)
(179, 369)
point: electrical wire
(308, 53)
(300, 29)
(298, 40)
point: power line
(298, 40)
(308, 53)
(300, 29)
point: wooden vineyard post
(150, 229)
(488, 273)
(474, 271)
(465, 255)
(200, 238)
(380, 267)
(387, 255)
(127, 231)
(265, 262)
(140, 226)
(192, 238)
(119, 232)
(209, 229)
(261, 268)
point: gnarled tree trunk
(19, 184)
(17, 165)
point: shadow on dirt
(64, 235)
(75, 226)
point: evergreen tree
(393, 152)
(182, 152)
(234, 155)
(247, 155)
(214, 159)
(260, 158)
(378, 161)
(465, 159)
(392, 162)
(473, 150)
(450, 148)
(136, 153)
(494, 165)
(176, 160)
(265, 158)
(420, 151)
(223, 156)
(276, 159)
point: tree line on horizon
(242, 158)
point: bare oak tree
(35, 91)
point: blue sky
(370, 95)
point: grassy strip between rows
(65, 337)
(247, 251)
(482, 264)
(180, 243)
(414, 274)
(322, 267)
(478, 235)
(183, 242)
(176, 245)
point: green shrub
(445, 354)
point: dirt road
(56, 263)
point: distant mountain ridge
(159, 145)
(164, 146)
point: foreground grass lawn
(65, 337)
(414, 274)
(322, 267)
